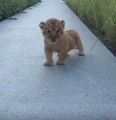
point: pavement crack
(94, 44)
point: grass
(101, 15)
(11, 7)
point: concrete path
(83, 89)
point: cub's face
(52, 29)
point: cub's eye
(57, 31)
(48, 31)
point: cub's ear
(41, 25)
(63, 23)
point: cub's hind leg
(80, 47)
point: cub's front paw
(81, 54)
(60, 63)
(48, 63)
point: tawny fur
(58, 40)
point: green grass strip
(11, 7)
(101, 14)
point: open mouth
(53, 40)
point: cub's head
(52, 29)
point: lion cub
(58, 40)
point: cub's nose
(53, 37)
